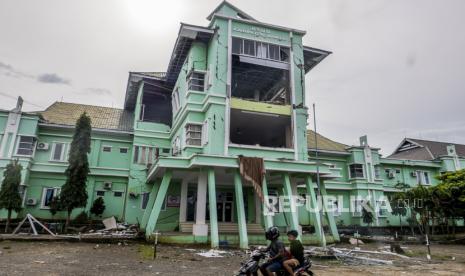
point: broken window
(145, 200)
(145, 155)
(155, 105)
(193, 135)
(196, 81)
(356, 171)
(260, 129)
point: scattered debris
(39, 262)
(213, 253)
(110, 223)
(32, 220)
(355, 241)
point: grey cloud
(52, 78)
(10, 71)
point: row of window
(358, 171)
(260, 49)
(195, 82)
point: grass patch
(145, 252)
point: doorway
(224, 206)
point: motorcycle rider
(276, 250)
(297, 252)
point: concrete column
(243, 238)
(258, 209)
(149, 207)
(312, 205)
(151, 224)
(200, 229)
(295, 193)
(183, 203)
(290, 196)
(267, 210)
(329, 214)
(214, 238)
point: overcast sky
(397, 68)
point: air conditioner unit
(107, 185)
(413, 174)
(42, 146)
(391, 174)
(31, 202)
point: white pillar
(295, 194)
(183, 203)
(200, 228)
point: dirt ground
(64, 258)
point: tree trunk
(68, 220)
(8, 220)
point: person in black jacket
(297, 252)
(277, 253)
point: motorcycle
(252, 265)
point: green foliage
(367, 213)
(98, 207)
(82, 218)
(55, 205)
(73, 193)
(9, 193)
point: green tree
(9, 193)
(367, 213)
(98, 207)
(55, 205)
(73, 193)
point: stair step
(186, 227)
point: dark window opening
(123, 150)
(356, 171)
(156, 106)
(256, 80)
(260, 129)
(100, 193)
(118, 194)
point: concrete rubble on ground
(356, 256)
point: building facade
(169, 159)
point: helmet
(293, 233)
(272, 233)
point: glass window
(145, 200)
(356, 171)
(284, 54)
(100, 193)
(106, 148)
(274, 52)
(237, 45)
(118, 194)
(426, 178)
(196, 81)
(418, 176)
(25, 145)
(262, 50)
(249, 47)
(58, 152)
(136, 154)
(193, 135)
(123, 150)
(47, 196)
(357, 211)
(377, 172)
(175, 101)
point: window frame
(263, 45)
(357, 208)
(124, 148)
(356, 177)
(33, 145)
(189, 132)
(56, 192)
(63, 154)
(107, 147)
(191, 77)
(142, 207)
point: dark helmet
(293, 233)
(272, 233)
